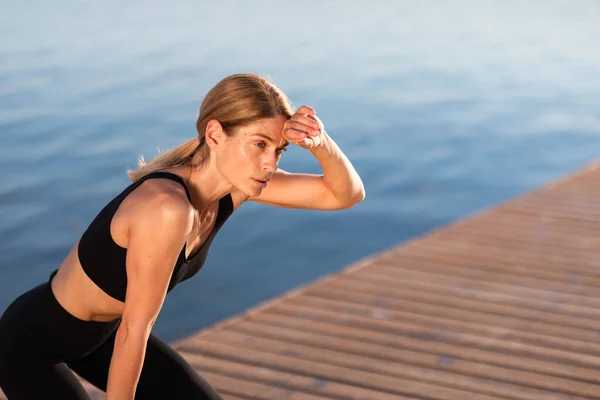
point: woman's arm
(157, 232)
(339, 186)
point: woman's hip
(35, 324)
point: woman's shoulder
(159, 200)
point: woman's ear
(214, 133)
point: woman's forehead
(272, 127)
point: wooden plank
(419, 339)
(228, 386)
(516, 287)
(435, 292)
(530, 328)
(390, 296)
(311, 383)
(452, 358)
(332, 372)
(512, 337)
(409, 365)
(573, 265)
(482, 259)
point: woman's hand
(338, 187)
(304, 129)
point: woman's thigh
(36, 336)
(165, 374)
(31, 379)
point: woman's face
(249, 157)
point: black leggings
(41, 344)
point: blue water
(443, 107)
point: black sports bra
(104, 261)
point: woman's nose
(270, 164)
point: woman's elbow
(360, 194)
(132, 329)
(357, 197)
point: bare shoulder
(157, 204)
(164, 200)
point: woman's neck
(205, 183)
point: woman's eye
(262, 145)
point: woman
(95, 314)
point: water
(444, 108)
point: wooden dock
(504, 304)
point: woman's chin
(252, 189)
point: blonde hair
(235, 101)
